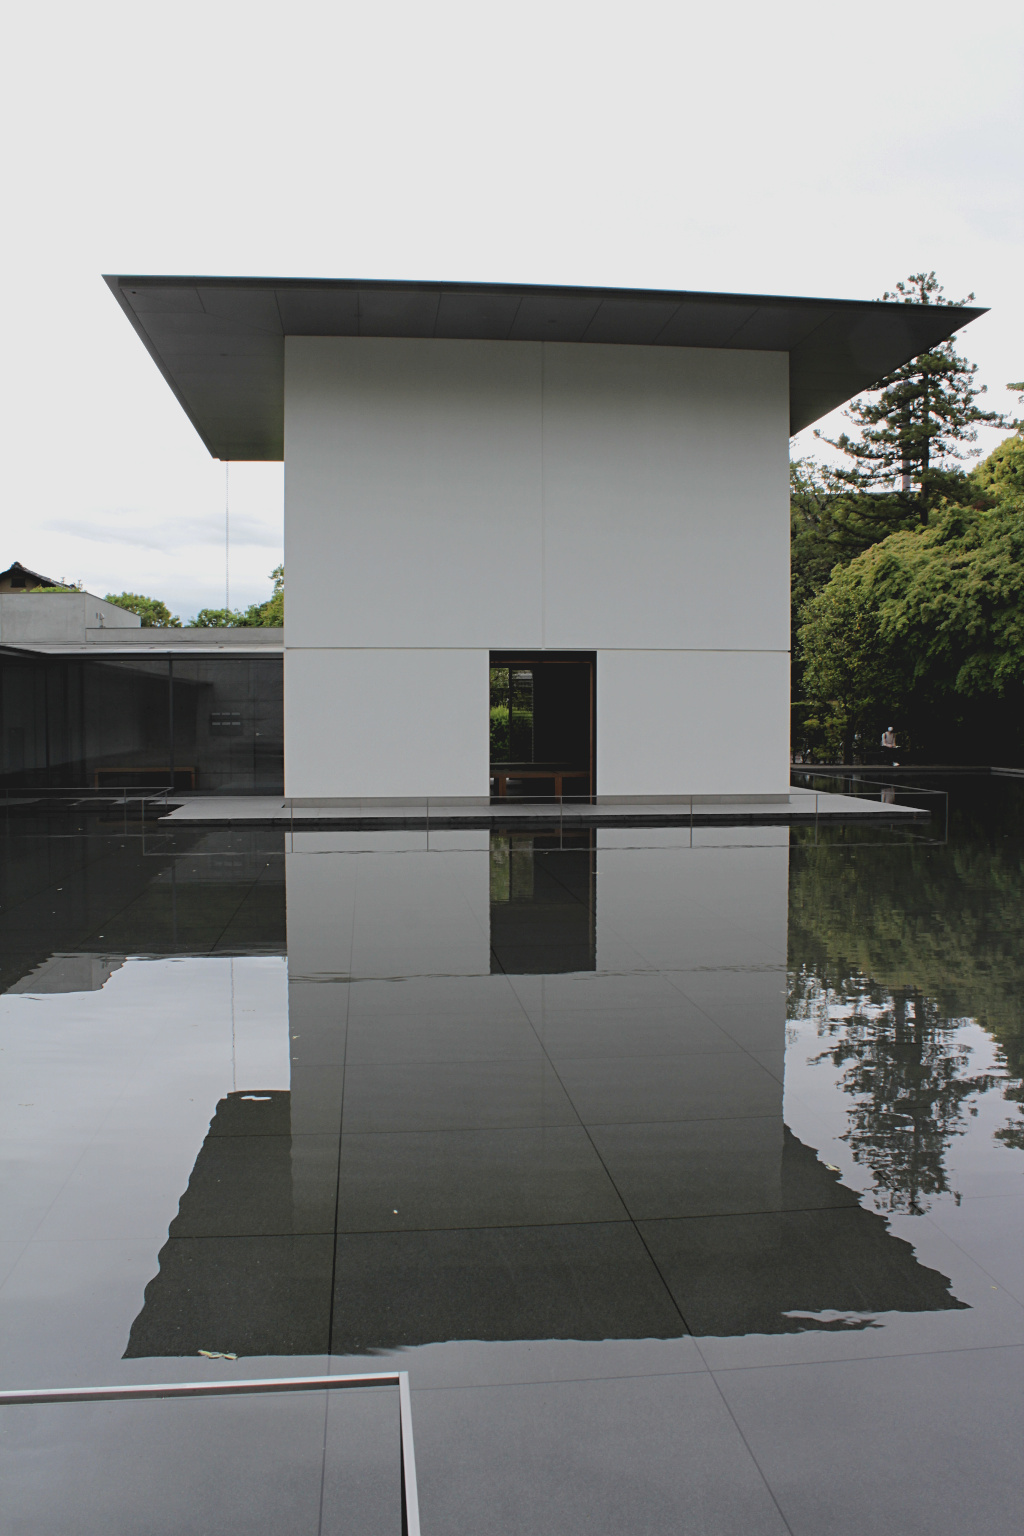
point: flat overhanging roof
(219, 341)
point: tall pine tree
(919, 419)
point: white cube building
(580, 493)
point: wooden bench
(138, 778)
(501, 775)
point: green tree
(269, 615)
(1002, 473)
(925, 629)
(215, 618)
(266, 615)
(922, 416)
(153, 613)
(830, 525)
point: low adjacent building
(18, 578)
(92, 699)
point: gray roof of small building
(219, 341)
(153, 641)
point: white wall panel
(692, 722)
(412, 492)
(666, 497)
(385, 723)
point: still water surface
(684, 1175)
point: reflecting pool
(681, 1172)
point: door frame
(532, 658)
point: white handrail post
(410, 1496)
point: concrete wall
(447, 498)
(58, 618)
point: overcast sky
(822, 148)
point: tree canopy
(926, 625)
(907, 569)
(153, 613)
(921, 417)
(266, 615)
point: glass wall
(209, 723)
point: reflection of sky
(107, 1095)
(817, 1107)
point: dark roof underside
(219, 341)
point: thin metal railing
(884, 790)
(36, 1396)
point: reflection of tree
(916, 939)
(907, 1070)
(1012, 1133)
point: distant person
(889, 745)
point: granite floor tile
(596, 1281)
(792, 1271)
(926, 1445)
(379, 1040)
(679, 1032)
(246, 1186)
(659, 1454)
(990, 1229)
(713, 1168)
(414, 1180)
(459, 1095)
(447, 999)
(248, 1295)
(254, 1467)
(631, 1089)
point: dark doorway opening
(542, 724)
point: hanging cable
(227, 504)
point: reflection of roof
(148, 902)
(73, 971)
(219, 341)
(244, 1269)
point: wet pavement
(682, 1171)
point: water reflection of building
(468, 1152)
(543, 902)
(236, 1273)
(135, 889)
(77, 971)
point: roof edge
(422, 285)
(115, 285)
